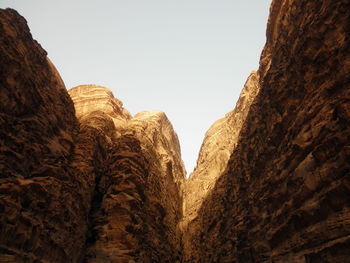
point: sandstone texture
(218, 144)
(43, 205)
(83, 182)
(137, 203)
(284, 195)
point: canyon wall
(90, 184)
(284, 194)
(81, 180)
(44, 203)
(219, 142)
(137, 203)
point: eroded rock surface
(42, 214)
(137, 201)
(218, 144)
(103, 187)
(88, 182)
(284, 196)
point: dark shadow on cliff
(284, 195)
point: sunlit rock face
(219, 142)
(91, 98)
(137, 201)
(284, 194)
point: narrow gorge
(82, 180)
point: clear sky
(188, 58)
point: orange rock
(90, 183)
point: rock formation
(81, 180)
(137, 202)
(219, 142)
(99, 187)
(43, 204)
(284, 195)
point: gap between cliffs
(140, 177)
(81, 180)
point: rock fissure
(81, 180)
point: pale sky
(189, 58)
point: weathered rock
(137, 201)
(94, 98)
(218, 144)
(284, 196)
(103, 188)
(271, 183)
(42, 215)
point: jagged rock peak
(90, 98)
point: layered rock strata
(90, 183)
(103, 187)
(219, 142)
(284, 194)
(137, 201)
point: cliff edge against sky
(81, 180)
(284, 193)
(84, 182)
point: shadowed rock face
(88, 182)
(284, 196)
(103, 187)
(43, 205)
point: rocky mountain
(81, 180)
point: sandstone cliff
(284, 195)
(219, 142)
(102, 187)
(137, 201)
(88, 182)
(42, 214)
